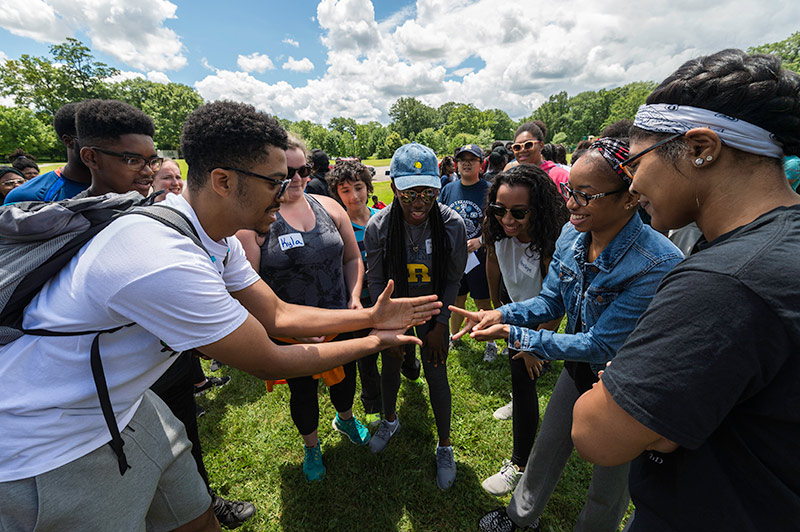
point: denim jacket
(608, 295)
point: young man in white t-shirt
(55, 470)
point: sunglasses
(500, 211)
(409, 196)
(627, 162)
(520, 146)
(582, 198)
(134, 162)
(282, 183)
(303, 171)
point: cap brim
(417, 180)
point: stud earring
(699, 161)
(709, 158)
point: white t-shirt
(137, 270)
(521, 272)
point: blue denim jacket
(608, 295)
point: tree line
(40, 85)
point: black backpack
(37, 239)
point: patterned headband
(614, 151)
(673, 118)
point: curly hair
(352, 171)
(98, 120)
(446, 160)
(226, 133)
(64, 120)
(548, 210)
(751, 87)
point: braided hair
(750, 87)
(548, 210)
(394, 257)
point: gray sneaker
(382, 436)
(490, 353)
(445, 467)
(503, 482)
(505, 411)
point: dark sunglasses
(527, 145)
(582, 198)
(282, 183)
(627, 162)
(500, 211)
(409, 196)
(303, 171)
(134, 162)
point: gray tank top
(305, 267)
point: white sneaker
(503, 482)
(490, 352)
(381, 438)
(505, 411)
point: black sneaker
(231, 514)
(499, 521)
(210, 383)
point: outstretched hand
(477, 321)
(404, 312)
(389, 339)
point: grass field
(253, 452)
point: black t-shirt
(714, 365)
(318, 185)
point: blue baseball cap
(474, 149)
(414, 165)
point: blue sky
(317, 59)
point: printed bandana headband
(614, 151)
(673, 118)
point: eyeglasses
(500, 211)
(409, 196)
(303, 171)
(282, 183)
(627, 162)
(527, 145)
(134, 162)
(582, 198)
(12, 182)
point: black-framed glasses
(408, 196)
(582, 198)
(627, 162)
(134, 162)
(521, 146)
(282, 183)
(501, 210)
(303, 171)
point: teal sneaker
(352, 428)
(313, 468)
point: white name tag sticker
(428, 246)
(529, 266)
(291, 240)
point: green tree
(46, 84)
(331, 143)
(433, 138)
(313, 134)
(167, 104)
(348, 128)
(553, 112)
(464, 118)
(21, 128)
(788, 50)
(500, 124)
(392, 142)
(410, 116)
(627, 99)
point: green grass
(253, 452)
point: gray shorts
(161, 491)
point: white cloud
(158, 77)
(132, 33)
(298, 65)
(125, 75)
(291, 42)
(255, 62)
(511, 56)
(3, 57)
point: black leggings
(525, 407)
(304, 404)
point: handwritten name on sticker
(291, 240)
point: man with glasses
(64, 182)
(54, 456)
(467, 197)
